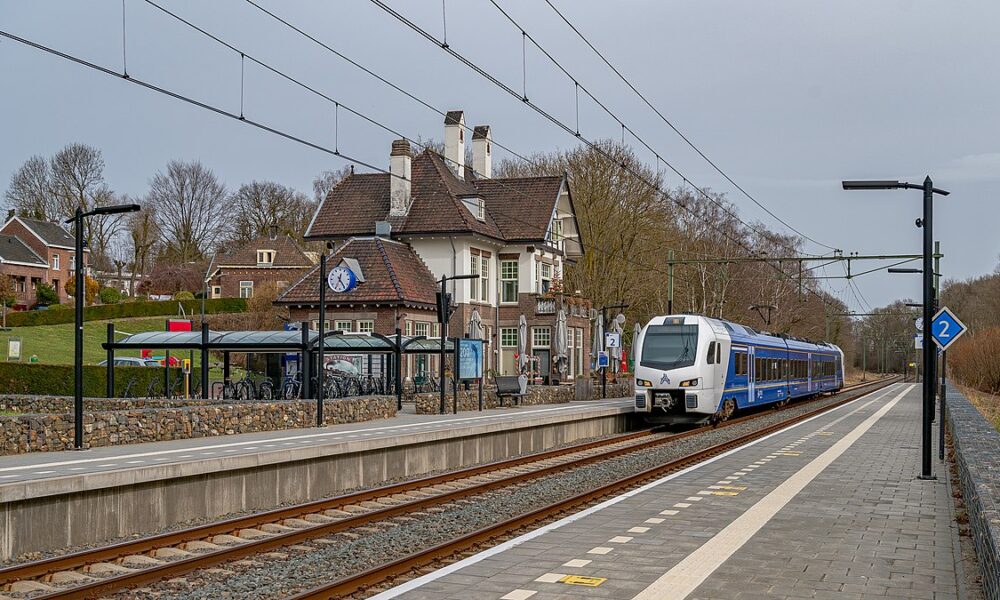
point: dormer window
(480, 209)
(265, 258)
(556, 236)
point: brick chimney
(454, 141)
(482, 151)
(399, 178)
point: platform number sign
(946, 328)
(612, 340)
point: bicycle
(249, 389)
(130, 388)
(151, 391)
(291, 387)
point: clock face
(341, 279)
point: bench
(508, 385)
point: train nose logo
(665, 380)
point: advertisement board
(470, 359)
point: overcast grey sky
(788, 96)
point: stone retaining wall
(430, 403)
(27, 404)
(54, 432)
(977, 453)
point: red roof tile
(287, 253)
(393, 273)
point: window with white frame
(55, 262)
(343, 325)
(557, 233)
(265, 257)
(579, 350)
(541, 337)
(508, 337)
(326, 325)
(423, 329)
(480, 209)
(544, 277)
(72, 262)
(366, 326)
(508, 280)
(479, 264)
(216, 291)
(246, 289)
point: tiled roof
(12, 249)
(52, 234)
(516, 208)
(521, 206)
(287, 253)
(393, 274)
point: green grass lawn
(53, 344)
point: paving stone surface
(862, 527)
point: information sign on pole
(470, 359)
(612, 340)
(946, 328)
(14, 349)
(602, 359)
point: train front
(676, 379)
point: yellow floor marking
(577, 562)
(620, 539)
(582, 580)
(519, 595)
(668, 513)
(638, 530)
(550, 577)
(654, 520)
(685, 577)
(600, 550)
(737, 488)
(725, 493)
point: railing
(545, 306)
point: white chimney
(482, 151)
(399, 178)
(454, 141)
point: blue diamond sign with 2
(946, 328)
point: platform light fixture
(930, 358)
(78, 293)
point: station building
(433, 216)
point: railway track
(106, 570)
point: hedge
(104, 312)
(57, 380)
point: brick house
(36, 251)
(435, 218)
(272, 259)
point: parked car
(132, 361)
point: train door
(809, 373)
(751, 376)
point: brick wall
(977, 453)
(229, 278)
(27, 297)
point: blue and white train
(691, 369)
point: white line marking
(654, 520)
(620, 539)
(638, 530)
(550, 578)
(682, 505)
(42, 472)
(669, 513)
(694, 498)
(519, 595)
(388, 428)
(691, 572)
(600, 550)
(476, 558)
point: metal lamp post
(443, 311)
(78, 294)
(926, 223)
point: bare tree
(30, 191)
(260, 204)
(143, 235)
(190, 210)
(326, 180)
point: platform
(50, 500)
(828, 508)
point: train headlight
(690, 383)
(643, 383)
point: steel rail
(173, 568)
(378, 575)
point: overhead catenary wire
(684, 137)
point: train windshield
(669, 346)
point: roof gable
(13, 250)
(287, 253)
(394, 274)
(51, 234)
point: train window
(740, 367)
(757, 369)
(718, 353)
(711, 353)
